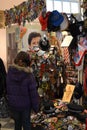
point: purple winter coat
(21, 89)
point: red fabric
(43, 21)
(85, 81)
(86, 124)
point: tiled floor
(7, 124)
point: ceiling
(7, 4)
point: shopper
(21, 91)
(2, 79)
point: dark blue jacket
(21, 89)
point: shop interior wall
(3, 46)
(4, 40)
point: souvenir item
(44, 44)
(75, 26)
(64, 25)
(75, 108)
(51, 119)
(48, 107)
(55, 43)
(43, 18)
(78, 91)
(54, 20)
(26, 11)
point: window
(66, 6)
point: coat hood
(18, 73)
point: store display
(48, 67)
(54, 68)
(62, 118)
(74, 108)
(72, 74)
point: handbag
(4, 108)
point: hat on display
(64, 25)
(75, 108)
(56, 18)
(43, 20)
(44, 43)
(48, 106)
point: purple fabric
(21, 90)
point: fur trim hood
(20, 68)
(18, 73)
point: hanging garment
(66, 55)
(85, 81)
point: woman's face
(34, 42)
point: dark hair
(24, 57)
(33, 35)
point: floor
(7, 124)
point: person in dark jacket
(2, 79)
(21, 91)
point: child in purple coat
(21, 91)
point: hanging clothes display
(85, 81)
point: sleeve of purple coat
(34, 96)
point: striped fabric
(65, 54)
